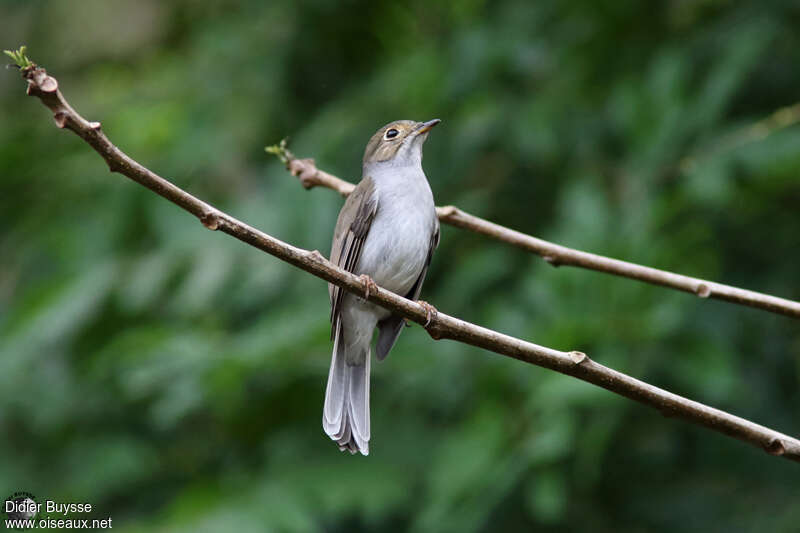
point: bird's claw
(430, 312)
(369, 285)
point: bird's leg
(369, 285)
(430, 312)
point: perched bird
(386, 232)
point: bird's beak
(425, 127)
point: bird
(386, 233)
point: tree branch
(555, 254)
(441, 326)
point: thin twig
(778, 120)
(439, 325)
(557, 255)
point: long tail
(345, 416)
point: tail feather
(345, 417)
(359, 399)
(334, 412)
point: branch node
(60, 118)
(210, 220)
(39, 81)
(306, 171)
(48, 84)
(314, 255)
(702, 290)
(578, 357)
(448, 211)
(435, 332)
(775, 447)
(296, 166)
(552, 260)
(95, 126)
(114, 166)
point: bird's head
(398, 143)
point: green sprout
(20, 58)
(281, 151)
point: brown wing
(352, 228)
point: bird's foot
(430, 312)
(369, 284)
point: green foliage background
(174, 377)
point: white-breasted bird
(386, 232)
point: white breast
(396, 247)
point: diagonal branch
(440, 325)
(555, 254)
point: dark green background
(174, 377)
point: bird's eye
(391, 133)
